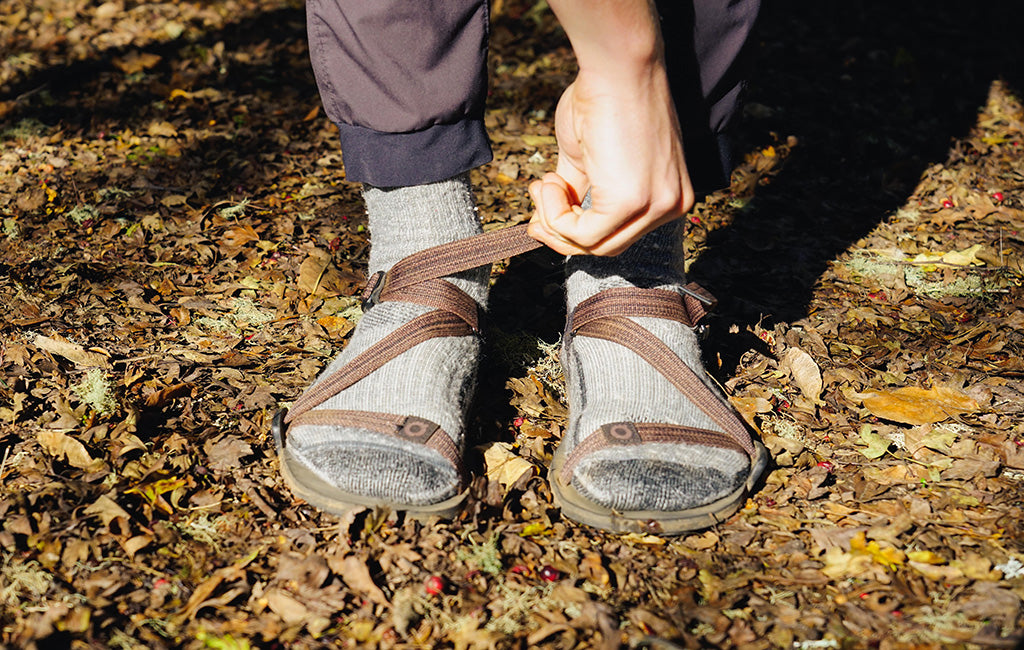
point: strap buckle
(370, 294)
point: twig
(3, 463)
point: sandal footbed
(577, 507)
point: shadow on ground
(875, 93)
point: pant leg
(705, 43)
(405, 82)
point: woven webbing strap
(636, 433)
(604, 316)
(458, 256)
(417, 279)
(409, 428)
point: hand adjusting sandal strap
(605, 316)
(417, 279)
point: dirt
(179, 257)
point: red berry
(946, 203)
(998, 197)
(434, 585)
(518, 422)
(550, 573)
(827, 465)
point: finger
(627, 235)
(551, 197)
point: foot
(338, 467)
(659, 476)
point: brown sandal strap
(416, 279)
(432, 324)
(619, 434)
(409, 428)
(651, 349)
(439, 294)
(634, 301)
(457, 256)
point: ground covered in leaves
(178, 256)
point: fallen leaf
(936, 572)
(877, 444)
(888, 556)
(914, 405)
(164, 396)
(136, 62)
(108, 511)
(354, 572)
(225, 454)
(805, 372)
(748, 407)
(62, 446)
(503, 465)
(71, 351)
(291, 611)
(925, 557)
(161, 128)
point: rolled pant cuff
(402, 159)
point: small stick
(3, 463)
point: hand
(619, 139)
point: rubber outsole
(580, 509)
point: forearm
(614, 38)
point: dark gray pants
(406, 82)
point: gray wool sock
(609, 383)
(434, 380)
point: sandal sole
(578, 508)
(317, 492)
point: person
(651, 444)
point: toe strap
(621, 434)
(409, 428)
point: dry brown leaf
(161, 128)
(108, 510)
(748, 407)
(354, 572)
(534, 399)
(503, 465)
(164, 396)
(805, 372)
(135, 62)
(225, 454)
(62, 446)
(71, 351)
(291, 611)
(914, 405)
(135, 544)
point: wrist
(612, 38)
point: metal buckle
(710, 302)
(370, 295)
(277, 427)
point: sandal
(606, 316)
(415, 279)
